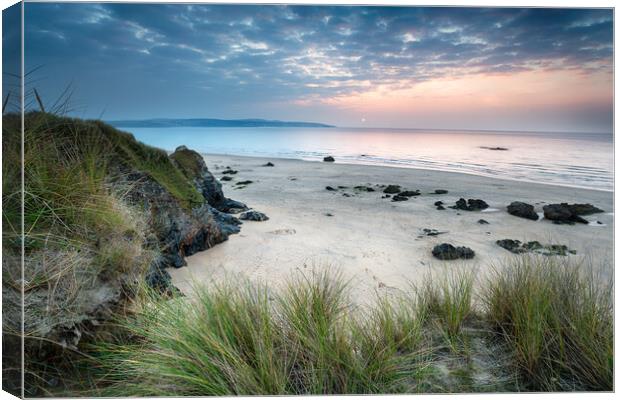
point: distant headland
(213, 123)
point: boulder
(446, 251)
(440, 191)
(565, 213)
(392, 189)
(398, 197)
(515, 246)
(328, 159)
(329, 188)
(522, 210)
(253, 216)
(470, 205)
(269, 164)
(409, 193)
(483, 222)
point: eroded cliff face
(179, 231)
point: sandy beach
(377, 243)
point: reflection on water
(573, 159)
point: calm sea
(570, 159)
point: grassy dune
(81, 237)
(539, 324)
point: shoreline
(404, 166)
(377, 243)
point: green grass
(526, 334)
(556, 322)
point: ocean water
(569, 159)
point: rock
(470, 205)
(392, 189)
(342, 187)
(409, 193)
(446, 251)
(494, 148)
(523, 210)
(398, 197)
(483, 222)
(432, 232)
(440, 191)
(565, 213)
(253, 216)
(364, 188)
(515, 246)
(440, 207)
(584, 209)
(438, 203)
(269, 164)
(387, 196)
(226, 178)
(244, 182)
(329, 214)
(511, 245)
(229, 171)
(328, 159)
(346, 195)
(329, 188)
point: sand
(377, 243)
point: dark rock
(387, 196)
(328, 159)
(494, 148)
(230, 172)
(269, 164)
(440, 191)
(364, 188)
(483, 222)
(409, 193)
(342, 187)
(565, 213)
(470, 205)
(438, 203)
(515, 246)
(446, 251)
(226, 178)
(523, 210)
(392, 189)
(253, 216)
(346, 195)
(432, 232)
(329, 188)
(398, 197)
(329, 214)
(244, 182)
(511, 245)
(584, 209)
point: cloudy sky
(470, 68)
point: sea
(584, 160)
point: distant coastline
(213, 123)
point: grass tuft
(557, 322)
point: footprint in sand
(284, 231)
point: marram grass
(547, 322)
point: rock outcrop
(446, 251)
(565, 213)
(470, 205)
(523, 210)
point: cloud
(296, 53)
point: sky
(408, 67)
